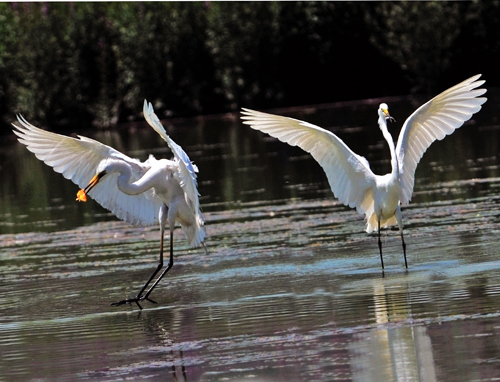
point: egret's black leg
(380, 246)
(169, 265)
(404, 248)
(163, 218)
(399, 219)
(138, 297)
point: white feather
(77, 160)
(351, 180)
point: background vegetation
(81, 64)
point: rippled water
(291, 289)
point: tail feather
(372, 223)
(195, 233)
(368, 208)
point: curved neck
(388, 137)
(124, 180)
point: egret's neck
(114, 165)
(388, 137)
(124, 180)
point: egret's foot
(132, 300)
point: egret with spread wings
(141, 193)
(379, 198)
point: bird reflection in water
(395, 349)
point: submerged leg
(139, 297)
(399, 219)
(380, 246)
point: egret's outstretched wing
(349, 175)
(436, 119)
(187, 171)
(77, 160)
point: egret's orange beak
(81, 195)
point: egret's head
(383, 110)
(81, 196)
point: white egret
(141, 193)
(379, 198)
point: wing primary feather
(77, 160)
(432, 121)
(346, 171)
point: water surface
(291, 289)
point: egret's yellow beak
(81, 195)
(387, 115)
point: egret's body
(379, 198)
(141, 193)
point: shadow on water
(291, 289)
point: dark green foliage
(82, 64)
